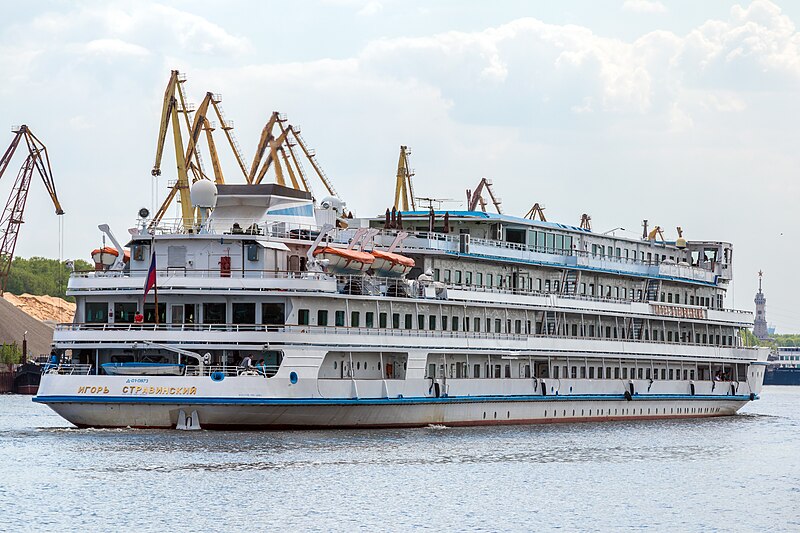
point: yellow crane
(174, 107)
(404, 187)
(279, 141)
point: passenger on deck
(261, 367)
(247, 363)
(138, 318)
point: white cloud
(644, 6)
(373, 7)
(114, 47)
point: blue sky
(684, 112)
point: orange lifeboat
(106, 256)
(390, 264)
(344, 260)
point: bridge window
(355, 319)
(408, 321)
(455, 323)
(302, 316)
(396, 320)
(432, 322)
(96, 312)
(382, 320)
(244, 313)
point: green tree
(10, 353)
(40, 276)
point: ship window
(583, 372)
(555, 372)
(244, 313)
(497, 373)
(591, 330)
(432, 370)
(447, 276)
(559, 242)
(444, 322)
(551, 242)
(547, 285)
(124, 312)
(408, 321)
(518, 326)
(625, 373)
(382, 320)
(339, 319)
(437, 274)
(671, 373)
(432, 322)
(355, 319)
(498, 325)
(214, 313)
(302, 316)
(476, 325)
(508, 326)
(468, 278)
(370, 319)
(568, 244)
(476, 371)
(556, 285)
(420, 321)
(96, 312)
(479, 279)
(574, 372)
(273, 313)
(458, 277)
(488, 325)
(691, 374)
(396, 320)
(619, 252)
(508, 371)
(608, 332)
(489, 280)
(528, 327)
(591, 372)
(252, 252)
(663, 373)
(455, 323)
(138, 252)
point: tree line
(42, 276)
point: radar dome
(203, 193)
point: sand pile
(45, 308)
(14, 323)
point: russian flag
(150, 282)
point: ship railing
(78, 369)
(363, 331)
(222, 371)
(374, 285)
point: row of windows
(598, 250)
(527, 283)
(621, 373)
(663, 410)
(456, 323)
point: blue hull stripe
(189, 400)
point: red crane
(11, 219)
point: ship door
(389, 371)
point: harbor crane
(536, 211)
(280, 141)
(12, 218)
(176, 114)
(404, 187)
(476, 197)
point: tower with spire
(760, 325)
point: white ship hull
(234, 403)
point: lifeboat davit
(345, 261)
(390, 264)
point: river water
(734, 473)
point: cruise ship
(275, 311)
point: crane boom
(404, 189)
(13, 213)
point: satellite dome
(203, 193)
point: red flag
(150, 282)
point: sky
(681, 112)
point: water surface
(734, 473)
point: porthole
(508, 414)
(484, 415)
(590, 412)
(334, 365)
(582, 413)
(573, 412)
(358, 365)
(495, 414)
(564, 413)
(545, 413)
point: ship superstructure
(277, 312)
